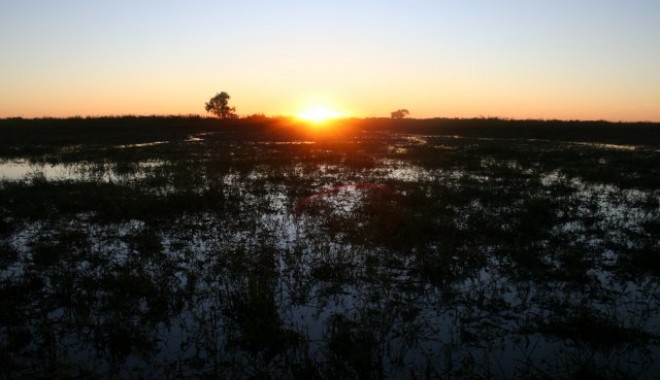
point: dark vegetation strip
(18, 136)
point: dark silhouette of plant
(400, 114)
(219, 105)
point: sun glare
(318, 114)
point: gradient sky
(566, 59)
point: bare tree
(400, 114)
(219, 105)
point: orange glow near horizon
(319, 109)
(318, 114)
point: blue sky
(580, 59)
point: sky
(540, 59)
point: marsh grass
(181, 247)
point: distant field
(266, 248)
(34, 132)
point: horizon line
(261, 115)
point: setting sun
(318, 114)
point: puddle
(142, 145)
(401, 170)
(21, 169)
(18, 170)
(607, 146)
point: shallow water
(23, 170)
(267, 264)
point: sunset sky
(566, 59)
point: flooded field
(374, 254)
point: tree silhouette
(400, 114)
(219, 105)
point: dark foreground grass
(420, 249)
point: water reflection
(20, 170)
(249, 264)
